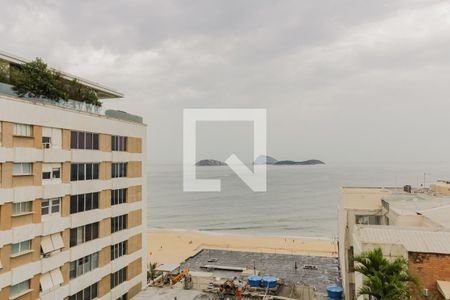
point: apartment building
(407, 222)
(72, 190)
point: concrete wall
(362, 201)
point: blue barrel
(334, 292)
(269, 282)
(254, 281)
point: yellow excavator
(179, 276)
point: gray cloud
(341, 80)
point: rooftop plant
(35, 79)
(384, 279)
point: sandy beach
(174, 246)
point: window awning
(444, 288)
(46, 282)
(51, 243)
(57, 277)
(57, 241)
(51, 279)
(46, 244)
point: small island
(210, 163)
(268, 160)
(309, 162)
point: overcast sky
(341, 80)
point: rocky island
(268, 160)
(210, 162)
(309, 162)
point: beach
(175, 246)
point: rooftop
(412, 238)
(278, 265)
(102, 91)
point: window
(123, 297)
(86, 171)
(51, 138)
(88, 293)
(19, 288)
(46, 142)
(22, 208)
(119, 169)
(20, 247)
(55, 173)
(118, 250)
(83, 202)
(50, 206)
(20, 169)
(46, 175)
(368, 219)
(83, 234)
(118, 196)
(83, 265)
(119, 143)
(118, 277)
(119, 223)
(23, 130)
(51, 173)
(84, 140)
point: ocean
(300, 200)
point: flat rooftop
(279, 265)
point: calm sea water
(300, 200)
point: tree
(151, 271)
(384, 279)
(37, 80)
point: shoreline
(227, 233)
(176, 245)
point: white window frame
(119, 196)
(119, 223)
(21, 208)
(22, 169)
(56, 171)
(47, 145)
(50, 205)
(91, 292)
(23, 246)
(83, 265)
(119, 249)
(24, 130)
(53, 170)
(119, 169)
(19, 288)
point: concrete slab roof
(279, 265)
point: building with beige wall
(72, 190)
(407, 222)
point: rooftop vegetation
(35, 79)
(386, 279)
